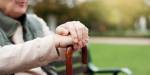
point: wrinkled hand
(62, 41)
(77, 31)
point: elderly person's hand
(63, 41)
(77, 31)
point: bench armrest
(115, 71)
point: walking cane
(69, 53)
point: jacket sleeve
(31, 54)
(47, 32)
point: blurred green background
(134, 57)
(127, 19)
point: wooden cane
(84, 55)
(69, 53)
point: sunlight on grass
(135, 57)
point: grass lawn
(135, 57)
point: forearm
(21, 57)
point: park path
(120, 40)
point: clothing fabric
(32, 28)
(24, 46)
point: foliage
(83, 12)
(98, 15)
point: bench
(59, 67)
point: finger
(62, 31)
(72, 31)
(84, 37)
(80, 44)
(84, 31)
(75, 46)
(84, 43)
(85, 34)
(63, 41)
(67, 41)
(79, 30)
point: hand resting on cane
(71, 33)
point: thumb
(66, 41)
(62, 31)
(63, 41)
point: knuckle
(86, 29)
(80, 28)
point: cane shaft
(84, 55)
(69, 52)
